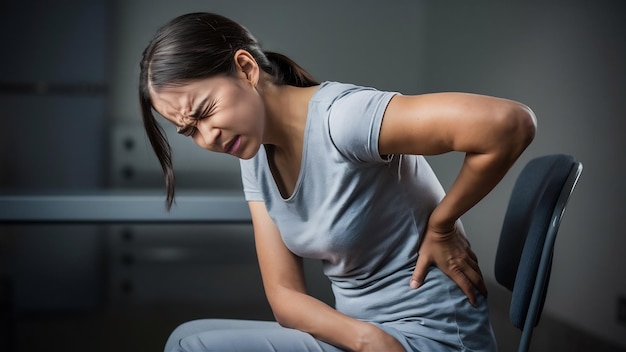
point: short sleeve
(354, 124)
(249, 179)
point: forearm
(483, 170)
(300, 311)
(479, 174)
(285, 288)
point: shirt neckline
(305, 140)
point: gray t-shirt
(358, 212)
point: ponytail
(288, 72)
(161, 147)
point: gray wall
(53, 77)
(566, 61)
(563, 60)
(314, 33)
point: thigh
(241, 335)
(444, 320)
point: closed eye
(186, 131)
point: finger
(419, 273)
(475, 275)
(476, 279)
(482, 288)
(481, 285)
(472, 255)
(472, 263)
(466, 286)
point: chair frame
(541, 281)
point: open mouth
(233, 145)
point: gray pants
(241, 335)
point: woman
(335, 172)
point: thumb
(421, 267)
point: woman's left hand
(450, 251)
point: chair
(526, 246)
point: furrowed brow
(198, 110)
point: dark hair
(196, 46)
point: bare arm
(492, 132)
(283, 280)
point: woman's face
(222, 114)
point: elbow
(527, 122)
(285, 304)
(281, 319)
(282, 316)
(286, 320)
(519, 126)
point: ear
(247, 67)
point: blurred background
(71, 124)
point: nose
(207, 137)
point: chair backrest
(532, 219)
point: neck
(286, 109)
